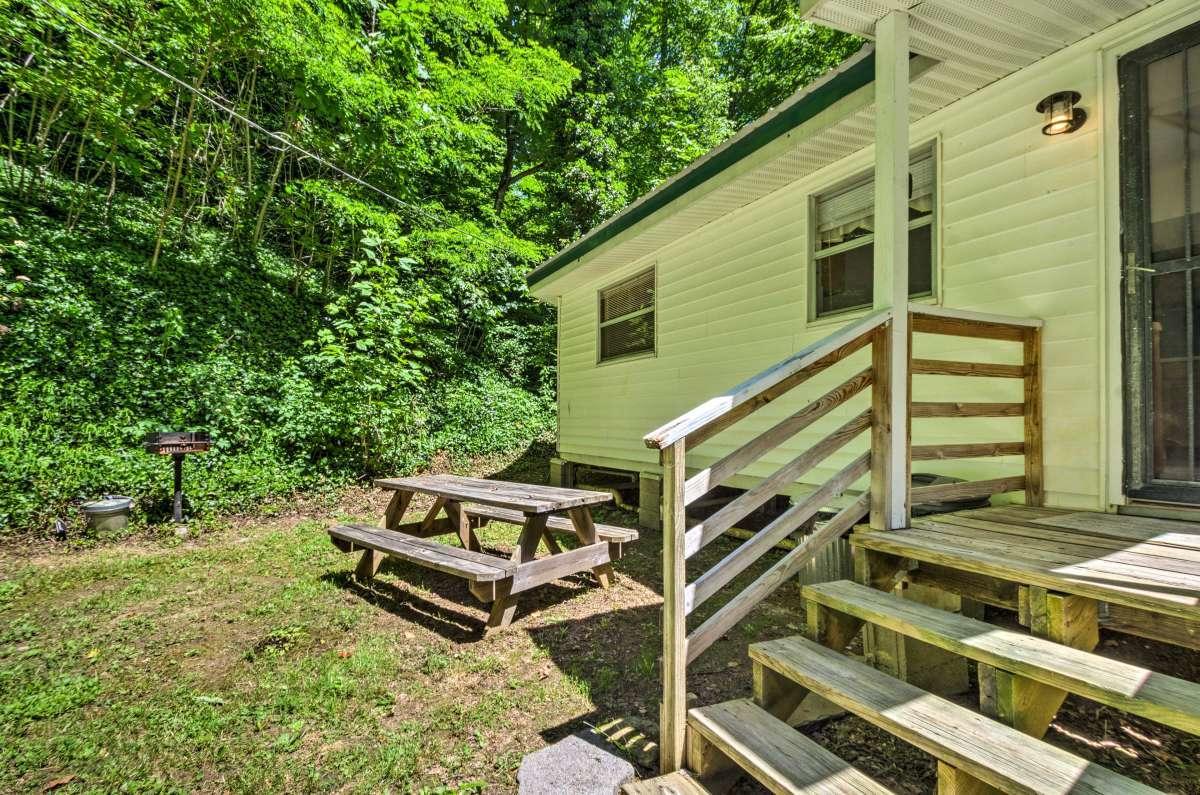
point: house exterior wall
(1024, 228)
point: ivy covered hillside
(313, 241)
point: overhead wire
(225, 106)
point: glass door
(1160, 187)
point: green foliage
(162, 265)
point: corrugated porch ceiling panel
(987, 39)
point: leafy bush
(302, 389)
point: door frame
(1136, 271)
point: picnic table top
(524, 497)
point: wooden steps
(970, 746)
(775, 754)
(558, 524)
(1149, 583)
(677, 783)
(1166, 699)
(472, 566)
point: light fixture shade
(1060, 113)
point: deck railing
(678, 438)
(1026, 332)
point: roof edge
(852, 74)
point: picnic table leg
(585, 528)
(505, 606)
(431, 515)
(396, 508)
(503, 609)
(465, 533)
(368, 564)
(551, 543)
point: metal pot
(109, 513)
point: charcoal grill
(177, 444)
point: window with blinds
(627, 317)
(844, 240)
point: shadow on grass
(532, 466)
(612, 657)
(464, 619)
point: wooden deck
(1145, 571)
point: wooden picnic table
(461, 506)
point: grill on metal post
(177, 444)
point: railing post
(891, 436)
(673, 717)
(881, 425)
(1035, 493)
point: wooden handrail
(709, 478)
(924, 410)
(677, 438)
(737, 561)
(718, 413)
(696, 538)
(984, 319)
(969, 490)
(946, 452)
(736, 609)
(983, 369)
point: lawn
(245, 658)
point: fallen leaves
(61, 781)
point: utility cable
(225, 106)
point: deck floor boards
(1151, 564)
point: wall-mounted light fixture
(1061, 114)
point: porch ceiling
(979, 41)
(973, 43)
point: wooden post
(1034, 487)
(891, 244)
(830, 628)
(673, 719)
(650, 500)
(1018, 701)
(881, 425)
(368, 565)
(396, 507)
(952, 781)
(775, 693)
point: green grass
(247, 664)
(247, 660)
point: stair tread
(990, 751)
(677, 783)
(1174, 702)
(775, 754)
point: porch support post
(891, 247)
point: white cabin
(770, 243)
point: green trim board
(820, 98)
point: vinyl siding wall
(1020, 232)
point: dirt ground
(245, 658)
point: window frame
(649, 353)
(930, 149)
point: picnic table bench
(461, 506)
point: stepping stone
(575, 764)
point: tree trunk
(184, 144)
(266, 202)
(510, 145)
